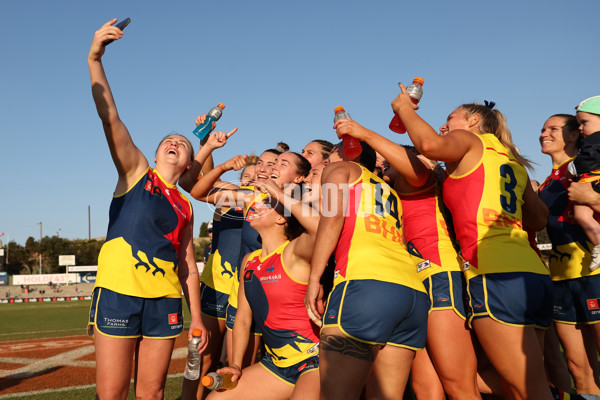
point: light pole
(40, 224)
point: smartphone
(121, 25)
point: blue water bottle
(213, 115)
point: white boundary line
(63, 389)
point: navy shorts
(512, 298)
(231, 311)
(577, 300)
(379, 313)
(212, 302)
(447, 291)
(292, 373)
(123, 316)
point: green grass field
(48, 320)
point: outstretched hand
(218, 139)
(236, 163)
(106, 32)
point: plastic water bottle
(415, 91)
(352, 147)
(216, 381)
(213, 115)
(194, 360)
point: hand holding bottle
(352, 128)
(410, 95)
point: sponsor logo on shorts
(593, 304)
(116, 322)
(306, 364)
(332, 314)
(423, 265)
(173, 319)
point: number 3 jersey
(371, 245)
(486, 206)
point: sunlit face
(263, 216)
(247, 177)
(174, 149)
(285, 170)
(588, 123)
(456, 120)
(312, 185)
(264, 165)
(552, 138)
(336, 155)
(313, 153)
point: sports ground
(45, 353)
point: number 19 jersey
(486, 206)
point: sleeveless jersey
(486, 206)
(277, 303)
(371, 244)
(141, 254)
(570, 254)
(224, 260)
(426, 233)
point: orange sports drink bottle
(415, 91)
(352, 147)
(216, 381)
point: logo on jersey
(592, 304)
(423, 265)
(173, 319)
(248, 275)
(466, 266)
(271, 268)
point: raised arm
(405, 162)
(451, 147)
(203, 161)
(128, 159)
(203, 187)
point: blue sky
(280, 67)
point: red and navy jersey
(141, 254)
(570, 254)
(426, 232)
(277, 303)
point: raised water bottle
(415, 91)
(213, 115)
(216, 381)
(194, 360)
(352, 147)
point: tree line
(25, 260)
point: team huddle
(338, 276)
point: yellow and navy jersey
(277, 303)
(371, 244)
(570, 254)
(221, 269)
(486, 206)
(141, 254)
(426, 233)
